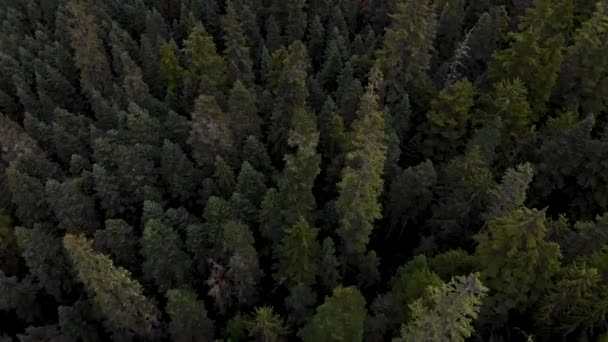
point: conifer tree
(237, 52)
(583, 79)
(288, 83)
(298, 254)
(361, 183)
(296, 20)
(188, 316)
(243, 113)
(449, 316)
(340, 318)
(171, 68)
(516, 262)
(533, 57)
(265, 325)
(89, 55)
(118, 297)
(205, 65)
(210, 134)
(166, 262)
(450, 118)
(119, 241)
(406, 53)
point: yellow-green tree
(119, 298)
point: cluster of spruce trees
(321, 170)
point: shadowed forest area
(303, 170)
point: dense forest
(293, 170)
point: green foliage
(171, 68)
(210, 133)
(450, 118)
(533, 57)
(243, 114)
(510, 194)
(46, 260)
(301, 168)
(516, 262)
(361, 183)
(583, 80)
(340, 318)
(188, 316)
(450, 313)
(119, 298)
(229, 149)
(576, 306)
(118, 240)
(204, 64)
(237, 50)
(411, 283)
(406, 54)
(166, 262)
(298, 254)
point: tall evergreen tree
(361, 184)
(237, 52)
(118, 297)
(454, 307)
(340, 318)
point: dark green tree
(340, 318)
(166, 263)
(118, 240)
(238, 56)
(361, 183)
(188, 316)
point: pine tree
(89, 56)
(46, 260)
(251, 184)
(118, 297)
(516, 262)
(406, 53)
(301, 168)
(177, 172)
(288, 84)
(576, 305)
(204, 64)
(449, 119)
(449, 27)
(340, 318)
(118, 240)
(210, 134)
(265, 325)
(361, 183)
(243, 113)
(328, 274)
(510, 194)
(74, 210)
(188, 316)
(298, 254)
(237, 52)
(296, 20)
(583, 79)
(410, 283)
(449, 316)
(170, 67)
(166, 263)
(223, 178)
(316, 38)
(533, 57)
